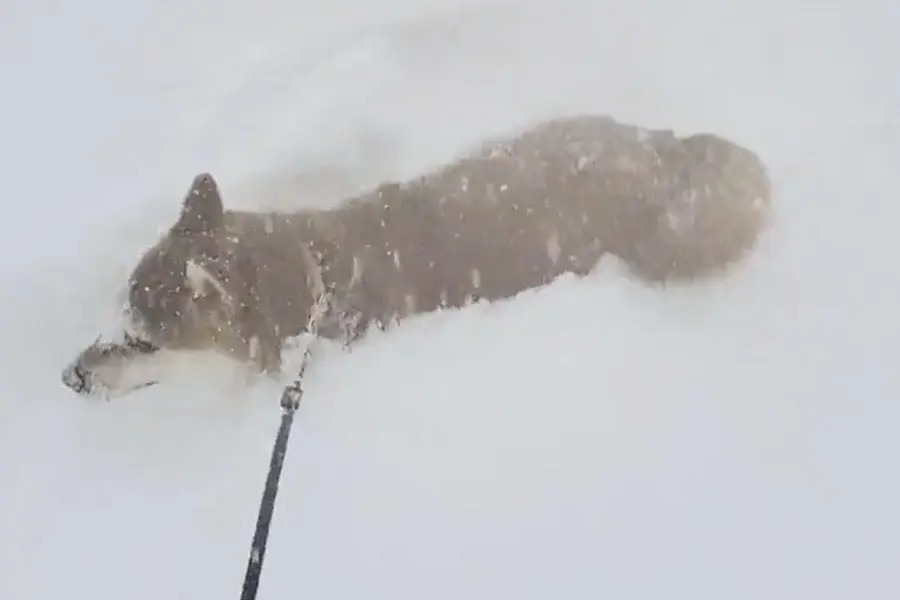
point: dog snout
(76, 379)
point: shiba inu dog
(513, 215)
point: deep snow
(596, 439)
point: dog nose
(75, 378)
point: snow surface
(596, 439)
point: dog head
(184, 294)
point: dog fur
(512, 216)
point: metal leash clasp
(293, 392)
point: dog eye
(139, 344)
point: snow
(596, 439)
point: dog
(512, 215)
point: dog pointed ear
(202, 211)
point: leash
(290, 401)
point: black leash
(290, 401)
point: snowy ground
(592, 440)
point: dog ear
(202, 211)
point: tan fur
(512, 216)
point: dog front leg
(265, 348)
(343, 322)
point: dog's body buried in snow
(513, 216)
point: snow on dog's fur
(512, 216)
